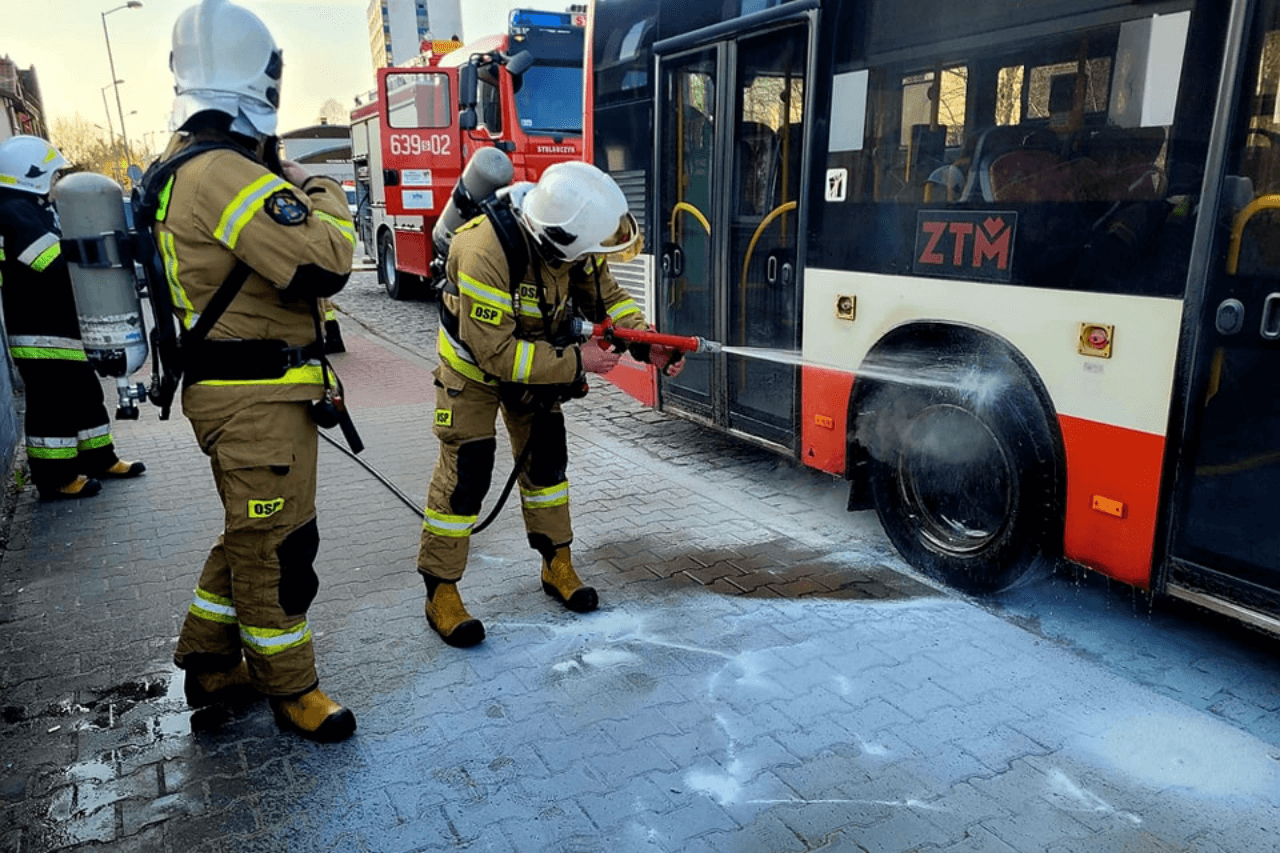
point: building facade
(20, 101)
(397, 28)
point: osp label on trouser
(265, 508)
(444, 417)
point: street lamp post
(111, 130)
(132, 4)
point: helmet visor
(625, 243)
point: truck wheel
(399, 285)
(964, 478)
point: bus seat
(1029, 176)
(1123, 162)
(999, 140)
(944, 183)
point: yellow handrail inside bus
(1259, 204)
(764, 223)
(693, 211)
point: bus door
(1225, 532)
(731, 130)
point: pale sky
(325, 44)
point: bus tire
(400, 285)
(964, 476)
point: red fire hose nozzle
(607, 332)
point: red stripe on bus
(1119, 466)
(824, 417)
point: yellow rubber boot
(561, 582)
(315, 716)
(448, 616)
(80, 487)
(206, 688)
(122, 470)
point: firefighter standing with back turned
(68, 430)
(252, 386)
(507, 348)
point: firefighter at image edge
(253, 387)
(68, 430)
(504, 345)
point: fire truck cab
(521, 92)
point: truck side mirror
(467, 86)
(519, 63)
(467, 119)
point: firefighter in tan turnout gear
(68, 430)
(504, 346)
(281, 241)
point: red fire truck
(521, 92)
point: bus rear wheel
(399, 285)
(963, 479)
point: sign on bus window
(418, 100)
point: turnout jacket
(499, 345)
(39, 305)
(223, 206)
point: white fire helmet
(28, 163)
(576, 210)
(225, 59)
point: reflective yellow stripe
(307, 374)
(481, 292)
(46, 257)
(623, 308)
(557, 495)
(48, 353)
(215, 608)
(344, 227)
(272, 641)
(163, 209)
(236, 215)
(444, 347)
(453, 526)
(523, 361)
(38, 252)
(169, 254)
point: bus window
(1254, 192)
(1066, 131)
(417, 100)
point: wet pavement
(764, 673)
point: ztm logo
(966, 245)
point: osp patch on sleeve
(486, 314)
(444, 417)
(286, 208)
(265, 507)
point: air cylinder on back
(100, 260)
(488, 171)
(95, 242)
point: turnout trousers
(259, 579)
(465, 422)
(68, 430)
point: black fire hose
(417, 510)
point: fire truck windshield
(549, 95)
(550, 99)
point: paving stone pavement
(764, 673)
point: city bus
(1008, 268)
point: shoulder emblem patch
(284, 207)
